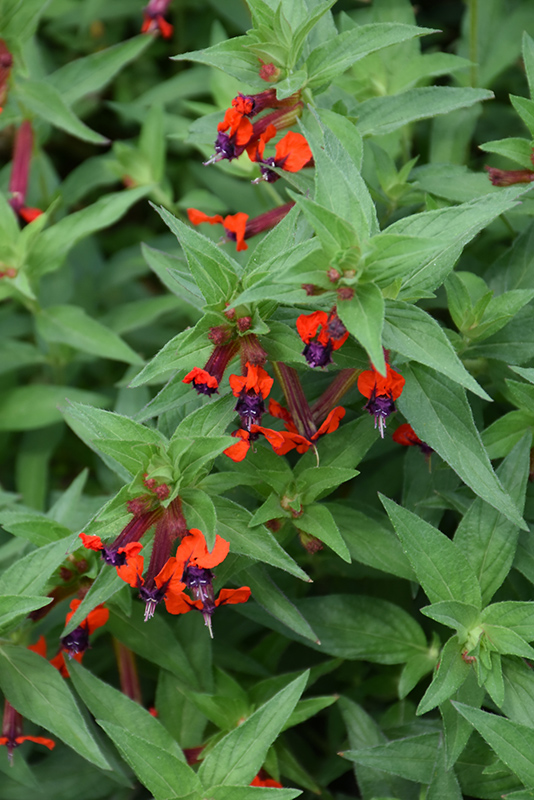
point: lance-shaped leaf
(441, 568)
(513, 743)
(381, 115)
(363, 316)
(30, 574)
(412, 758)
(488, 538)
(450, 674)
(317, 520)
(37, 690)
(24, 408)
(230, 56)
(214, 272)
(341, 52)
(165, 776)
(438, 411)
(70, 325)
(413, 333)
(239, 756)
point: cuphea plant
(243, 460)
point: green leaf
(455, 614)
(513, 743)
(214, 272)
(155, 641)
(163, 774)
(381, 115)
(443, 782)
(273, 600)
(200, 513)
(451, 672)
(439, 413)
(441, 568)
(32, 525)
(108, 704)
(239, 756)
(318, 521)
(15, 608)
(413, 333)
(30, 574)
(370, 542)
(45, 100)
(342, 51)
(457, 729)
(412, 758)
(55, 242)
(503, 434)
(363, 316)
(514, 148)
(258, 544)
(72, 326)
(315, 481)
(38, 692)
(488, 538)
(34, 406)
(90, 74)
(230, 56)
(252, 793)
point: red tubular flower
(76, 642)
(242, 133)
(292, 438)
(381, 393)
(406, 436)
(207, 380)
(154, 21)
(194, 563)
(251, 390)
(12, 732)
(239, 227)
(292, 153)
(321, 333)
(507, 177)
(6, 62)
(20, 170)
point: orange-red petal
(371, 380)
(132, 572)
(39, 647)
(29, 214)
(309, 324)
(91, 542)
(37, 739)
(232, 118)
(198, 375)
(180, 603)
(97, 618)
(270, 782)
(171, 573)
(233, 596)
(256, 379)
(193, 549)
(166, 29)
(196, 217)
(295, 151)
(238, 451)
(336, 343)
(331, 423)
(406, 435)
(278, 411)
(236, 224)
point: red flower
(292, 438)
(292, 153)
(381, 392)
(262, 779)
(29, 214)
(251, 390)
(406, 436)
(12, 732)
(203, 382)
(76, 642)
(234, 224)
(207, 380)
(154, 21)
(321, 333)
(194, 563)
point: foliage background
(97, 296)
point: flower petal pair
(234, 224)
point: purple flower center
(250, 408)
(317, 354)
(381, 407)
(266, 173)
(203, 388)
(77, 641)
(112, 557)
(224, 146)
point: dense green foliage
(385, 651)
